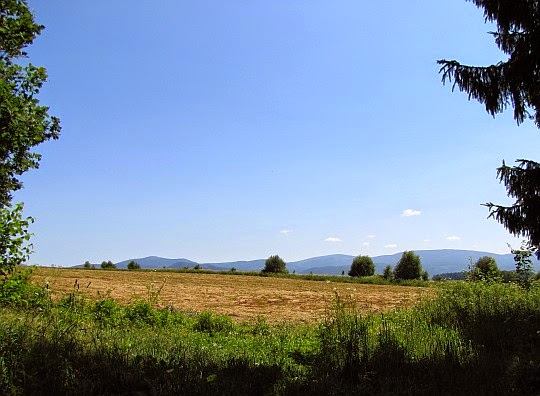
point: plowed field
(244, 298)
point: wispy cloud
(365, 244)
(370, 236)
(390, 246)
(427, 240)
(453, 238)
(411, 212)
(332, 239)
(285, 232)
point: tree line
(409, 267)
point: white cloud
(390, 246)
(332, 239)
(411, 212)
(453, 238)
(370, 236)
(427, 240)
(285, 232)
(365, 244)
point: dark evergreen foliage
(514, 82)
(523, 218)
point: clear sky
(233, 130)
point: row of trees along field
(408, 267)
(132, 265)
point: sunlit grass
(470, 338)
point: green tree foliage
(362, 266)
(408, 267)
(87, 265)
(485, 268)
(108, 265)
(275, 264)
(515, 82)
(133, 265)
(388, 274)
(14, 236)
(524, 264)
(23, 122)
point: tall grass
(470, 338)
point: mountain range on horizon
(434, 261)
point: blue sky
(234, 130)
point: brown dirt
(244, 298)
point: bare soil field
(244, 298)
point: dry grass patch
(242, 297)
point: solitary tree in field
(362, 266)
(485, 268)
(514, 82)
(408, 267)
(133, 265)
(275, 264)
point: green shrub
(133, 265)
(14, 237)
(209, 322)
(408, 267)
(276, 265)
(362, 266)
(141, 312)
(484, 269)
(17, 291)
(388, 274)
(108, 265)
(107, 312)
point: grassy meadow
(460, 338)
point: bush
(409, 266)
(485, 268)
(108, 265)
(388, 274)
(209, 322)
(14, 237)
(133, 265)
(362, 266)
(275, 264)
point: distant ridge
(434, 261)
(154, 262)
